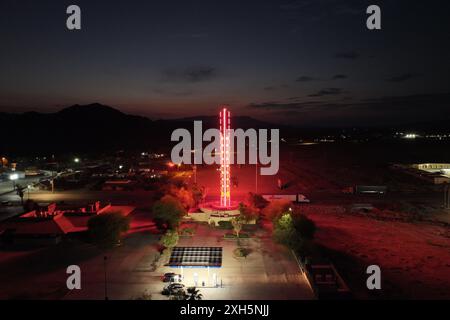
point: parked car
(172, 277)
(173, 288)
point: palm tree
(237, 224)
(193, 294)
(179, 295)
(20, 193)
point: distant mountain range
(95, 127)
(99, 128)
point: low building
(435, 173)
(50, 224)
(118, 185)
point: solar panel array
(196, 257)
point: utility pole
(105, 258)
(256, 170)
(256, 177)
(446, 197)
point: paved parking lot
(269, 272)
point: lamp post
(256, 178)
(14, 177)
(105, 258)
(256, 167)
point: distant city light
(76, 160)
(410, 136)
(121, 167)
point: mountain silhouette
(94, 128)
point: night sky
(305, 62)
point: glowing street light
(13, 177)
(171, 164)
(76, 160)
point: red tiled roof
(60, 224)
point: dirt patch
(414, 257)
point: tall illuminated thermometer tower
(225, 143)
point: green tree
(107, 229)
(20, 193)
(170, 239)
(283, 230)
(256, 201)
(198, 193)
(184, 195)
(295, 231)
(304, 226)
(168, 212)
(248, 213)
(276, 208)
(237, 224)
(178, 295)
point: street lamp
(76, 160)
(14, 177)
(106, 284)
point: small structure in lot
(325, 280)
(196, 257)
(300, 198)
(212, 214)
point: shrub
(276, 208)
(187, 231)
(106, 229)
(304, 226)
(256, 200)
(168, 212)
(169, 239)
(233, 235)
(241, 252)
(226, 225)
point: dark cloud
(190, 74)
(272, 105)
(303, 11)
(403, 77)
(410, 102)
(349, 55)
(327, 92)
(198, 35)
(166, 92)
(272, 88)
(339, 77)
(380, 110)
(305, 79)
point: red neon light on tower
(225, 199)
